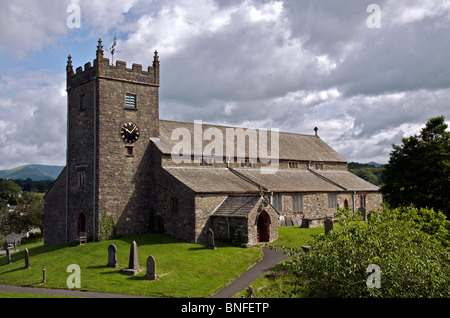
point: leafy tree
(368, 172)
(9, 192)
(27, 216)
(412, 263)
(418, 172)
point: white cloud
(289, 64)
(29, 26)
(33, 125)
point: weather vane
(112, 49)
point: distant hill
(33, 172)
(375, 164)
(371, 172)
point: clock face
(130, 133)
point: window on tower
(83, 102)
(130, 101)
(129, 151)
(81, 180)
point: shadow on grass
(14, 270)
(34, 251)
(149, 239)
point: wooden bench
(81, 239)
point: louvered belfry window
(130, 101)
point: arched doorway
(346, 204)
(263, 227)
(81, 223)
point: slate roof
(236, 206)
(222, 180)
(290, 181)
(348, 180)
(211, 180)
(291, 146)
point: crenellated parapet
(102, 68)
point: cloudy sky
(286, 64)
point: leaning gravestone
(133, 265)
(27, 259)
(328, 225)
(112, 256)
(210, 240)
(151, 268)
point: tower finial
(100, 47)
(156, 59)
(69, 67)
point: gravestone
(210, 240)
(8, 256)
(27, 259)
(299, 219)
(112, 256)
(250, 292)
(288, 221)
(151, 269)
(363, 212)
(282, 221)
(328, 225)
(133, 264)
(294, 221)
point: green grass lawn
(186, 270)
(25, 295)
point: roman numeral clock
(130, 133)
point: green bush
(413, 263)
(107, 227)
(427, 220)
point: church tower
(113, 111)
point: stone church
(120, 165)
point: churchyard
(180, 269)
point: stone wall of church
(80, 157)
(315, 205)
(55, 212)
(177, 221)
(205, 204)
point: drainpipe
(354, 202)
(95, 159)
(67, 167)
